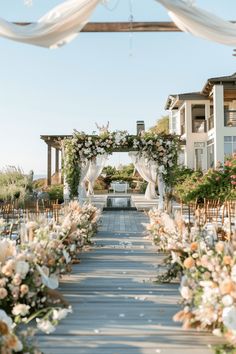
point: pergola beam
(93, 27)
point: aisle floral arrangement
(30, 273)
(208, 275)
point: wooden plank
(92, 27)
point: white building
(206, 120)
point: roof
(176, 100)
(227, 80)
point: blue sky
(94, 79)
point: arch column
(49, 165)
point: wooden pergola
(131, 26)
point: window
(210, 156)
(174, 125)
(181, 157)
(199, 159)
(198, 118)
(229, 117)
(229, 146)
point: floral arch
(81, 151)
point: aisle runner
(117, 307)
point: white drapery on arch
(199, 22)
(148, 171)
(62, 24)
(81, 187)
(95, 169)
(56, 28)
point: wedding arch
(154, 156)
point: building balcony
(230, 118)
(210, 122)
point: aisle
(117, 307)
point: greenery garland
(81, 148)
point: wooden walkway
(117, 309)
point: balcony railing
(210, 122)
(230, 118)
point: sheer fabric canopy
(148, 171)
(81, 188)
(94, 171)
(56, 28)
(62, 24)
(199, 22)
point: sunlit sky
(94, 78)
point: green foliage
(224, 349)
(100, 184)
(161, 126)
(14, 184)
(214, 184)
(178, 175)
(39, 183)
(55, 192)
(71, 168)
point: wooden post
(49, 171)
(56, 160)
(62, 176)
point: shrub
(55, 192)
(14, 184)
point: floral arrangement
(82, 148)
(208, 275)
(208, 290)
(30, 271)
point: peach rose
(189, 262)
(227, 286)
(3, 293)
(227, 260)
(219, 247)
(24, 289)
(194, 246)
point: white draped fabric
(56, 28)
(95, 168)
(62, 24)
(148, 171)
(81, 188)
(190, 18)
(161, 190)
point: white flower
(229, 317)
(6, 319)
(45, 326)
(186, 293)
(227, 300)
(22, 268)
(20, 309)
(52, 281)
(58, 315)
(217, 332)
